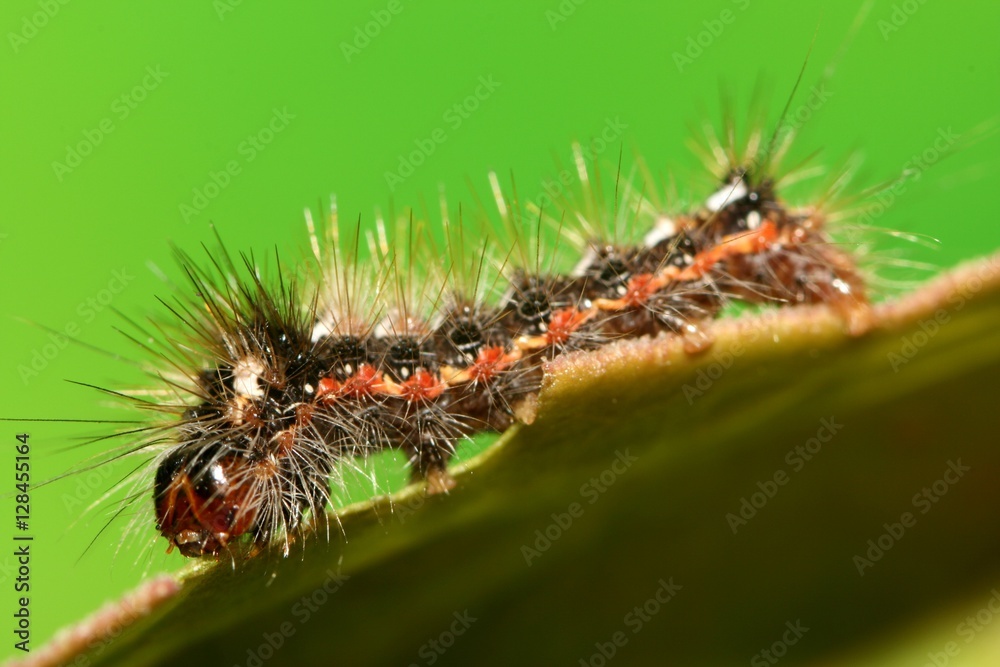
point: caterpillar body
(280, 383)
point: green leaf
(792, 477)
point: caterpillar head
(201, 504)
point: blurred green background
(119, 121)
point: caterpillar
(356, 118)
(278, 383)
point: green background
(228, 66)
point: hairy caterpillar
(262, 207)
(414, 339)
(276, 383)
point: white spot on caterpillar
(664, 229)
(218, 476)
(581, 267)
(729, 193)
(384, 329)
(753, 220)
(320, 331)
(246, 377)
(841, 286)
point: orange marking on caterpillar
(637, 292)
(489, 362)
(365, 382)
(328, 390)
(745, 243)
(565, 323)
(561, 326)
(422, 386)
